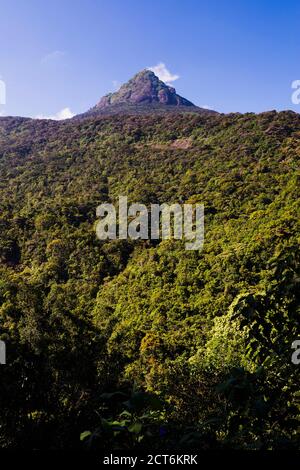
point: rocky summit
(144, 87)
(143, 93)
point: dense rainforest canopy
(141, 343)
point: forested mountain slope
(82, 317)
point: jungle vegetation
(137, 344)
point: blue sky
(229, 55)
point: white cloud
(116, 85)
(65, 113)
(205, 106)
(163, 73)
(53, 57)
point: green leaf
(135, 428)
(84, 435)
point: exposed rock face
(144, 88)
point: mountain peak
(144, 88)
(144, 93)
